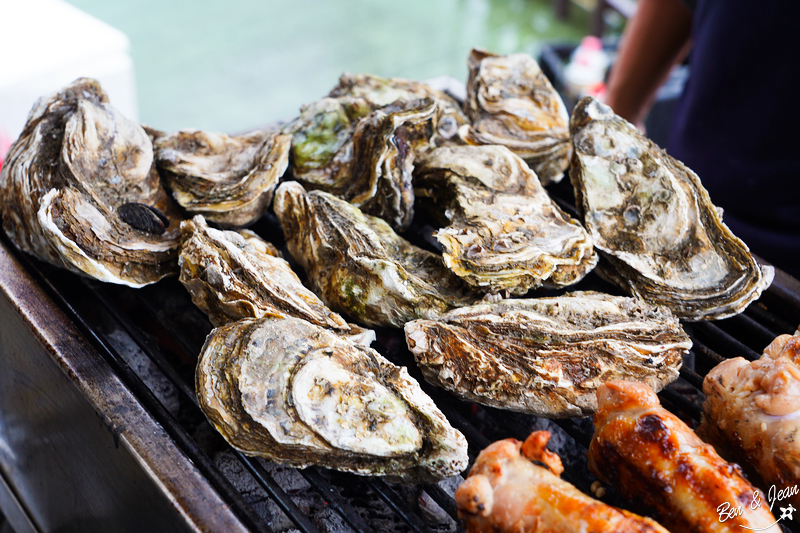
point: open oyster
(651, 217)
(380, 92)
(79, 190)
(228, 180)
(547, 356)
(236, 274)
(365, 159)
(297, 394)
(512, 103)
(359, 266)
(505, 233)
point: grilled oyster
(367, 160)
(359, 266)
(228, 180)
(380, 92)
(296, 393)
(79, 190)
(651, 217)
(547, 356)
(512, 103)
(236, 274)
(505, 232)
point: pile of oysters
(287, 372)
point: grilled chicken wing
(506, 492)
(752, 414)
(656, 461)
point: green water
(235, 65)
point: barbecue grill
(100, 428)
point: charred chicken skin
(658, 463)
(752, 415)
(506, 492)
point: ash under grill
(151, 338)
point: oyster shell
(505, 233)
(79, 190)
(379, 92)
(228, 180)
(512, 103)
(652, 219)
(236, 274)
(359, 266)
(367, 161)
(547, 356)
(295, 393)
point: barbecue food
(359, 266)
(656, 461)
(653, 221)
(752, 414)
(364, 156)
(235, 274)
(295, 393)
(512, 103)
(379, 92)
(228, 180)
(547, 356)
(505, 233)
(79, 190)
(506, 492)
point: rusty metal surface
(77, 449)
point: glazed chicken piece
(752, 415)
(505, 491)
(657, 462)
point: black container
(554, 58)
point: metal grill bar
(415, 523)
(725, 343)
(278, 495)
(680, 402)
(692, 377)
(339, 504)
(444, 500)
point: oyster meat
(512, 103)
(295, 393)
(79, 190)
(548, 356)
(505, 233)
(236, 274)
(229, 180)
(359, 266)
(379, 92)
(366, 160)
(652, 219)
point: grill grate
(151, 337)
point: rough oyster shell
(359, 266)
(296, 393)
(379, 92)
(512, 103)
(651, 217)
(547, 356)
(228, 180)
(505, 233)
(79, 190)
(236, 274)
(364, 159)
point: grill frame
(72, 320)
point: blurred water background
(236, 65)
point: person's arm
(655, 39)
